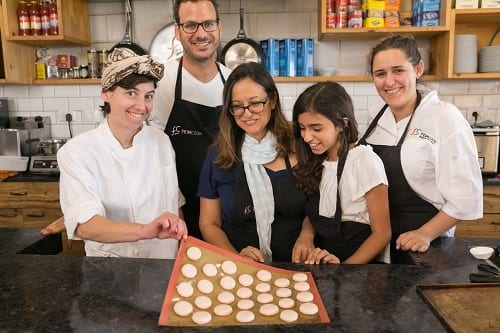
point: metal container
(10, 142)
(51, 146)
(488, 147)
(31, 130)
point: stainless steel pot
(51, 146)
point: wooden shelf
(368, 34)
(475, 16)
(66, 81)
(73, 25)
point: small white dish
(481, 252)
(326, 70)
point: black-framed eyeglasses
(253, 107)
(191, 27)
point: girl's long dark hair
(332, 101)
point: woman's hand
(252, 253)
(321, 256)
(54, 228)
(302, 248)
(167, 225)
(414, 240)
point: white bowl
(326, 70)
(481, 252)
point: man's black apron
(407, 210)
(341, 238)
(192, 128)
(289, 215)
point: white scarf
(254, 155)
(328, 189)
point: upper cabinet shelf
(73, 20)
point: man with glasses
(189, 97)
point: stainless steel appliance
(488, 146)
(44, 164)
(31, 130)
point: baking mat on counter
(203, 298)
(468, 307)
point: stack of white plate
(465, 60)
(489, 59)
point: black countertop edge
(54, 293)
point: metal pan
(164, 46)
(241, 49)
(127, 41)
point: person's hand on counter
(55, 227)
(252, 253)
(321, 256)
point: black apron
(341, 238)
(289, 215)
(407, 210)
(192, 128)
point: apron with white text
(192, 128)
(407, 210)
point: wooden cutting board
(468, 307)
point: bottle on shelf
(23, 17)
(45, 18)
(35, 20)
(54, 18)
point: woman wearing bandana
(118, 183)
(248, 196)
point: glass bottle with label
(45, 18)
(54, 18)
(23, 17)
(35, 20)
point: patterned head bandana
(122, 62)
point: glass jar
(84, 71)
(45, 18)
(54, 18)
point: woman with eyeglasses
(248, 196)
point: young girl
(346, 184)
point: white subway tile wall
(263, 19)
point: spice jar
(84, 71)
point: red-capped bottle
(35, 20)
(23, 17)
(54, 18)
(45, 18)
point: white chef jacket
(439, 156)
(193, 90)
(99, 177)
(363, 170)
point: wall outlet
(61, 116)
(476, 115)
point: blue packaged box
(287, 56)
(305, 57)
(271, 55)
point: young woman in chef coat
(248, 196)
(427, 147)
(347, 201)
(118, 182)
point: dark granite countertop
(34, 177)
(53, 293)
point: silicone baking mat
(307, 307)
